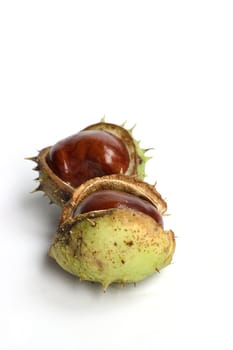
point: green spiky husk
(142, 160)
(118, 245)
(114, 245)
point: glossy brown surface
(108, 199)
(88, 154)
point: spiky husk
(114, 245)
(58, 191)
(118, 245)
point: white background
(168, 67)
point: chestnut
(109, 199)
(98, 150)
(88, 154)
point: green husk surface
(118, 245)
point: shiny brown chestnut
(98, 150)
(109, 199)
(88, 154)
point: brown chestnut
(108, 199)
(88, 154)
(98, 150)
